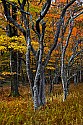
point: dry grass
(20, 111)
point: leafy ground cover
(20, 111)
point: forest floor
(20, 110)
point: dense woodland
(41, 62)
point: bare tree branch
(42, 14)
(11, 20)
(74, 56)
(58, 31)
(76, 16)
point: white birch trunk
(64, 78)
(39, 75)
(42, 88)
(75, 78)
(28, 68)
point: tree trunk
(42, 87)
(75, 79)
(28, 68)
(64, 78)
(39, 96)
(80, 76)
(14, 79)
(37, 82)
(64, 82)
(12, 31)
(65, 88)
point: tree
(37, 81)
(65, 69)
(12, 31)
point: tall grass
(20, 111)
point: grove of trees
(41, 42)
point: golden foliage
(15, 43)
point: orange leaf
(74, 32)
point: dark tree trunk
(12, 31)
(14, 79)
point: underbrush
(20, 111)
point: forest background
(41, 46)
